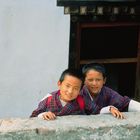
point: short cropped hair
(94, 66)
(72, 72)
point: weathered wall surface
(93, 127)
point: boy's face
(69, 88)
(94, 81)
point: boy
(65, 101)
(95, 91)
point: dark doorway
(109, 42)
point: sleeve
(106, 109)
(41, 115)
(119, 101)
(42, 107)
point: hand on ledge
(47, 116)
(116, 113)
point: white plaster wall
(34, 41)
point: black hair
(94, 66)
(72, 72)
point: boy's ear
(104, 80)
(84, 81)
(58, 83)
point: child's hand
(116, 113)
(48, 116)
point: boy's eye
(96, 80)
(76, 88)
(67, 86)
(90, 80)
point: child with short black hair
(62, 101)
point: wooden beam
(114, 60)
(137, 89)
(116, 24)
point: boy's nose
(70, 90)
(94, 82)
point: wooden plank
(115, 60)
(137, 88)
(97, 2)
(116, 24)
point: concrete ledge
(92, 127)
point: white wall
(34, 41)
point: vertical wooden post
(74, 47)
(137, 89)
